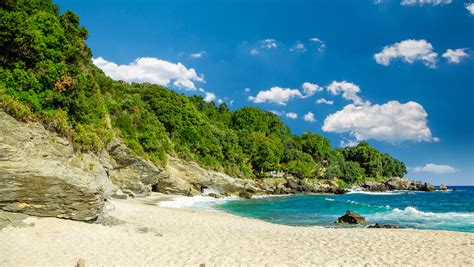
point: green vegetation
(46, 73)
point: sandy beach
(149, 235)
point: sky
(397, 73)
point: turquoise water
(451, 210)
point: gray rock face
(41, 175)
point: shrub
(15, 108)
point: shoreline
(146, 234)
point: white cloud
(291, 115)
(198, 55)
(309, 117)
(455, 56)
(470, 8)
(435, 168)
(348, 143)
(391, 122)
(298, 47)
(324, 101)
(408, 51)
(276, 95)
(348, 90)
(254, 51)
(247, 90)
(209, 97)
(310, 89)
(276, 112)
(152, 70)
(269, 43)
(220, 101)
(425, 2)
(318, 42)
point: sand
(152, 236)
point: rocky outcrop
(386, 226)
(127, 172)
(351, 218)
(395, 183)
(443, 187)
(188, 178)
(41, 175)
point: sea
(439, 210)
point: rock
(81, 263)
(119, 195)
(443, 187)
(374, 186)
(397, 183)
(13, 219)
(426, 187)
(215, 195)
(291, 183)
(41, 175)
(351, 218)
(387, 226)
(245, 195)
(127, 171)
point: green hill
(46, 74)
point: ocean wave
(412, 217)
(367, 205)
(329, 199)
(378, 193)
(196, 202)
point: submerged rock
(351, 218)
(387, 226)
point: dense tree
(46, 73)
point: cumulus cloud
(324, 101)
(208, 97)
(455, 56)
(435, 168)
(198, 54)
(269, 43)
(276, 112)
(254, 51)
(152, 70)
(392, 122)
(298, 47)
(276, 95)
(310, 89)
(348, 90)
(348, 143)
(309, 117)
(291, 115)
(470, 8)
(408, 51)
(425, 2)
(320, 44)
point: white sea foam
(378, 193)
(412, 217)
(329, 199)
(196, 202)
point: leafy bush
(15, 108)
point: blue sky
(384, 65)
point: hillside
(46, 74)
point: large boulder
(127, 171)
(374, 186)
(41, 175)
(443, 187)
(351, 218)
(397, 183)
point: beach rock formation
(443, 187)
(351, 218)
(41, 175)
(128, 172)
(386, 226)
(395, 183)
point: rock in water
(443, 187)
(245, 194)
(351, 218)
(41, 175)
(386, 226)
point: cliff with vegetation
(144, 136)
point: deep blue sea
(446, 210)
